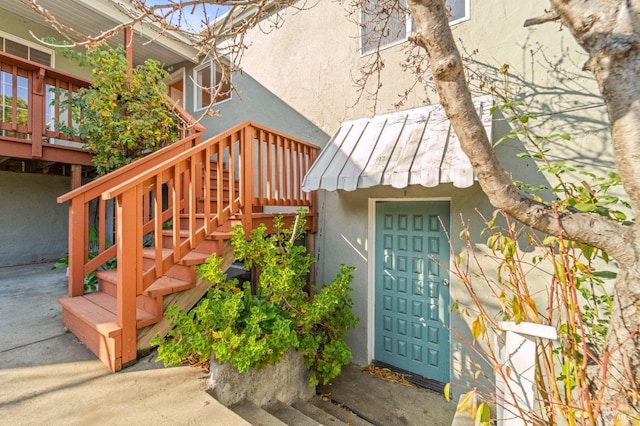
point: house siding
(33, 226)
(313, 71)
(22, 28)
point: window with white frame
(25, 50)
(383, 26)
(209, 81)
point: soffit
(92, 17)
(413, 147)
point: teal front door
(411, 287)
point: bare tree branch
(447, 69)
(549, 16)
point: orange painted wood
(104, 342)
(128, 241)
(95, 327)
(194, 183)
(247, 168)
(167, 285)
(77, 245)
(128, 45)
(76, 176)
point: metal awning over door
(413, 147)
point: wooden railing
(171, 190)
(29, 111)
(27, 117)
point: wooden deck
(160, 217)
(27, 118)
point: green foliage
(254, 330)
(124, 115)
(6, 111)
(577, 301)
(90, 280)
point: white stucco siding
(33, 226)
(310, 63)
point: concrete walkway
(47, 377)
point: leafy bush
(124, 115)
(254, 329)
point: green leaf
(483, 415)
(605, 274)
(585, 207)
(447, 388)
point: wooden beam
(76, 176)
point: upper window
(25, 50)
(209, 81)
(383, 27)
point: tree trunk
(614, 62)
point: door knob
(445, 282)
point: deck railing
(173, 191)
(29, 112)
(27, 117)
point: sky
(194, 16)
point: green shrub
(254, 329)
(124, 115)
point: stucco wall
(251, 101)
(310, 63)
(33, 226)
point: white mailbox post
(515, 384)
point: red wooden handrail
(32, 89)
(251, 166)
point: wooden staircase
(162, 216)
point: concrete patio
(48, 377)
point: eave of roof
(93, 17)
(412, 147)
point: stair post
(78, 229)
(516, 350)
(247, 178)
(129, 249)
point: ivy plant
(255, 326)
(124, 115)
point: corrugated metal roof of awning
(413, 147)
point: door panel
(411, 292)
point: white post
(515, 383)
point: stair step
(167, 285)
(288, 414)
(95, 327)
(338, 412)
(255, 415)
(100, 307)
(194, 258)
(150, 252)
(316, 413)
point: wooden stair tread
(220, 235)
(110, 275)
(91, 313)
(150, 252)
(194, 258)
(167, 285)
(98, 308)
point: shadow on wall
(256, 103)
(562, 97)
